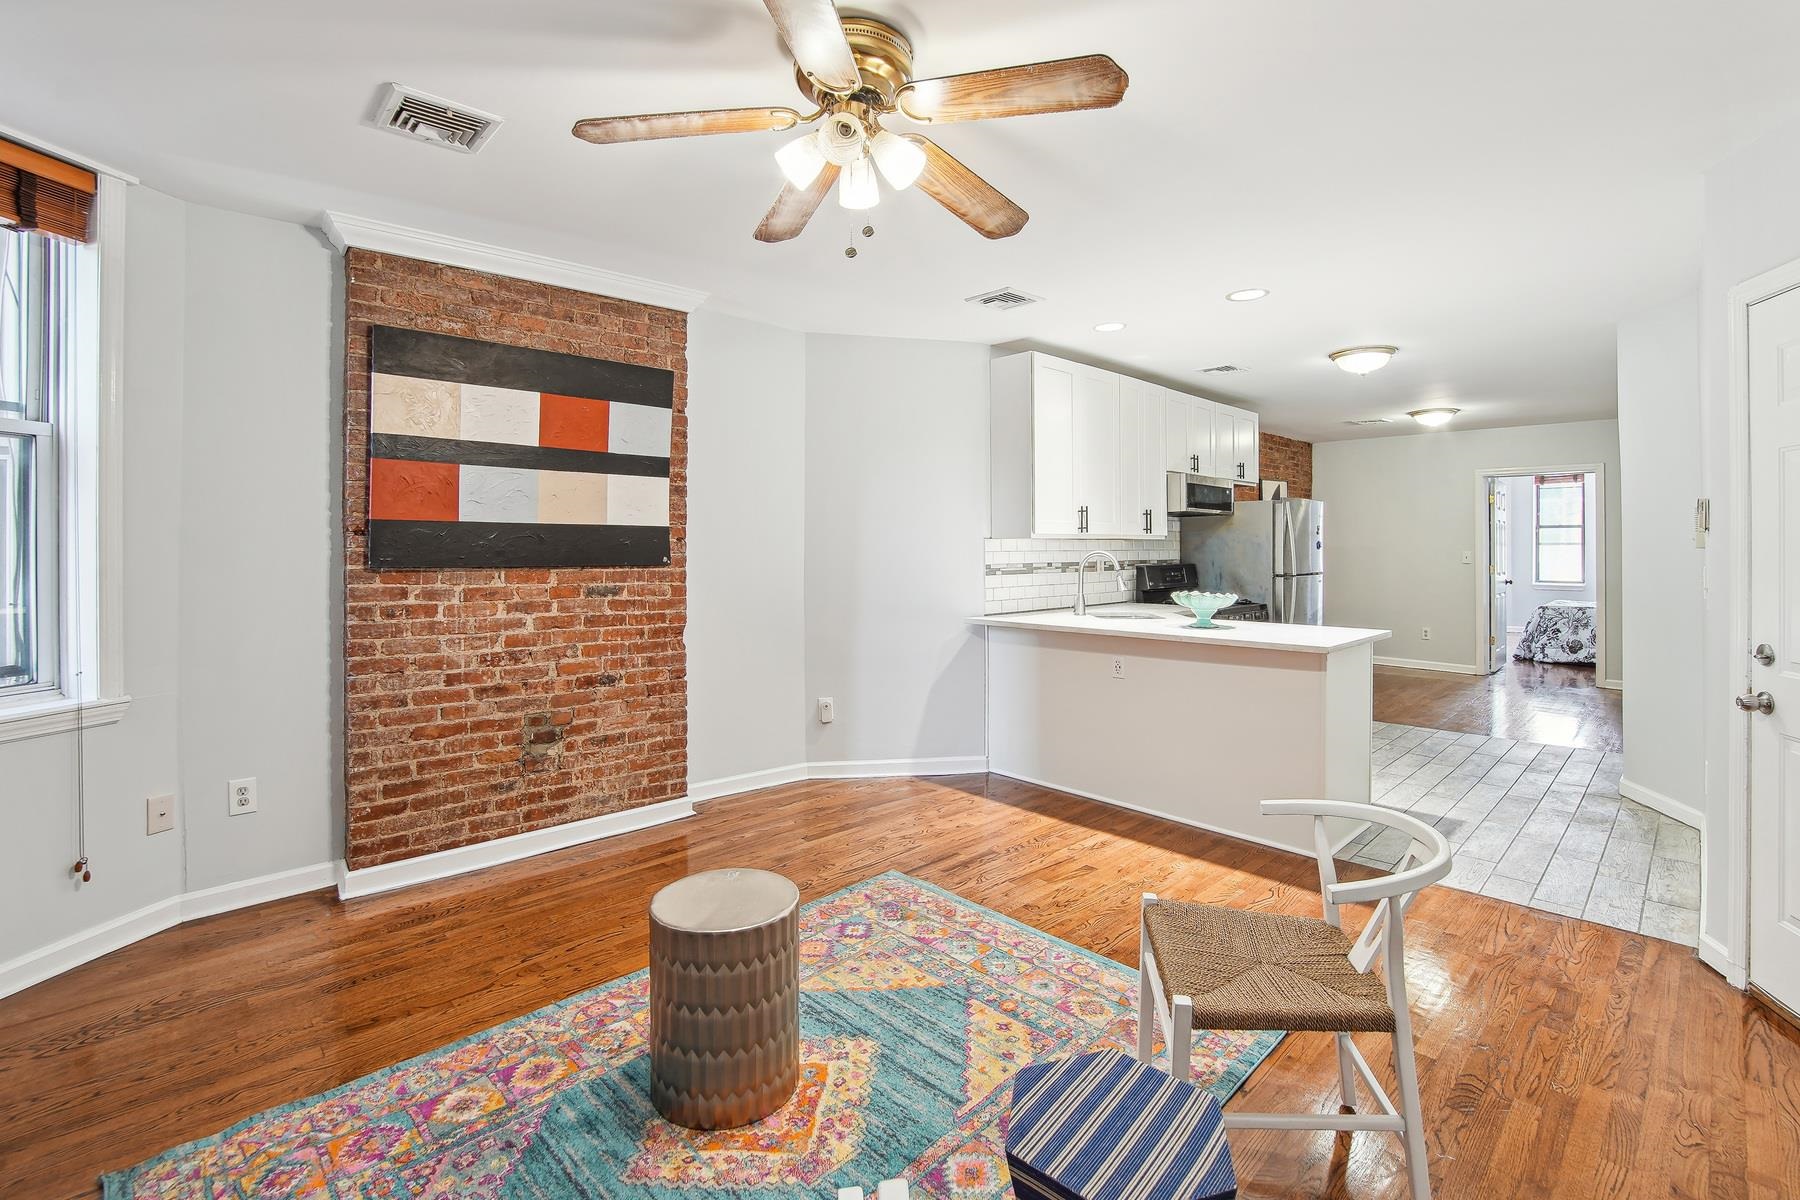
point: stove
(1157, 582)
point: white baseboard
(875, 768)
(441, 864)
(749, 781)
(1419, 664)
(1668, 806)
(85, 946)
(1613, 685)
(1714, 954)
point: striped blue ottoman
(1106, 1127)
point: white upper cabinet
(1243, 466)
(1077, 451)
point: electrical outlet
(1425, 634)
(1468, 558)
(159, 814)
(242, 797)
(827, 710)
(1118, 668)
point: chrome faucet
(1081, 578)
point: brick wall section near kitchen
(483, 703)
(1283, 458)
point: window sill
(1558, 587)
(42, 717)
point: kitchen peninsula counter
(1195, 725)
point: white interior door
(1774, 349)
(1499, 573)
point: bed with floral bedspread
(1561, 631)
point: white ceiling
(1488, 186)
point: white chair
(1201, 966)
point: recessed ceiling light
(1109, 327)
(1247, 294)
(1360, 360)
(1431, 418)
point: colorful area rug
(917, 1008)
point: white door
(1774, 527)
(1054, 509)
(1098, 499)
(1499, 573)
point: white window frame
(84, 565)
(1579, 483)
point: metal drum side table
(724, 997)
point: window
(32, 352)
(1560, 521)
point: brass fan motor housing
(884, 59)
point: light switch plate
(159, 814)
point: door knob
(1764, 654)
(1761, 702)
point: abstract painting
(482, 455)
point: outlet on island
(242, 797)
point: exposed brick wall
(485, 703)
(1283, 458)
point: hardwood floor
(1553, 704)
(1559, 1058)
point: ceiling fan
(858, 71)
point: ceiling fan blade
(970, 197)
(1067, 85)
(815, 37)
(605, 131)
(795, 207)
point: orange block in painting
(401, 490)
(571, 422)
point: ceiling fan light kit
(1360, 360)
(858, 71)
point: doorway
(1542, 577)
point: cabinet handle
(1193, 462)
(1081, 519)
(1146, 520)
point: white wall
(746, 591)
(1401, 513)
(1752, 225)
(1525, 595)
(1659, 450)
(896, 511)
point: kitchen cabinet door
(1099, 501)
(1141, 458)
(1054, 509)
(1245, 428)
(1178, 416)
(1203, 436)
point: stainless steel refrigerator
(1272, 551)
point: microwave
(1193, 496)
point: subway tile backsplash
(1028, 574)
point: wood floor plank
(1557, 1058)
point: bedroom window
(1560, 528)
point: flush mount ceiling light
(1360, 360)
(1239, 297)
(1109, 327)
(1431, 418)
(859, 73)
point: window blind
(42, 194)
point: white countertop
(1173, 627)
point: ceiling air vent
(433, 119)
(1004, 298)
(1222, 369)
(1368, 421)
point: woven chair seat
(1252, 970)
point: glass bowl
(1203, 605)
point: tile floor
(1538, 825)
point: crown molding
(346, 231)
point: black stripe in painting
(497, 454)
(465, 360)
(396, 545)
